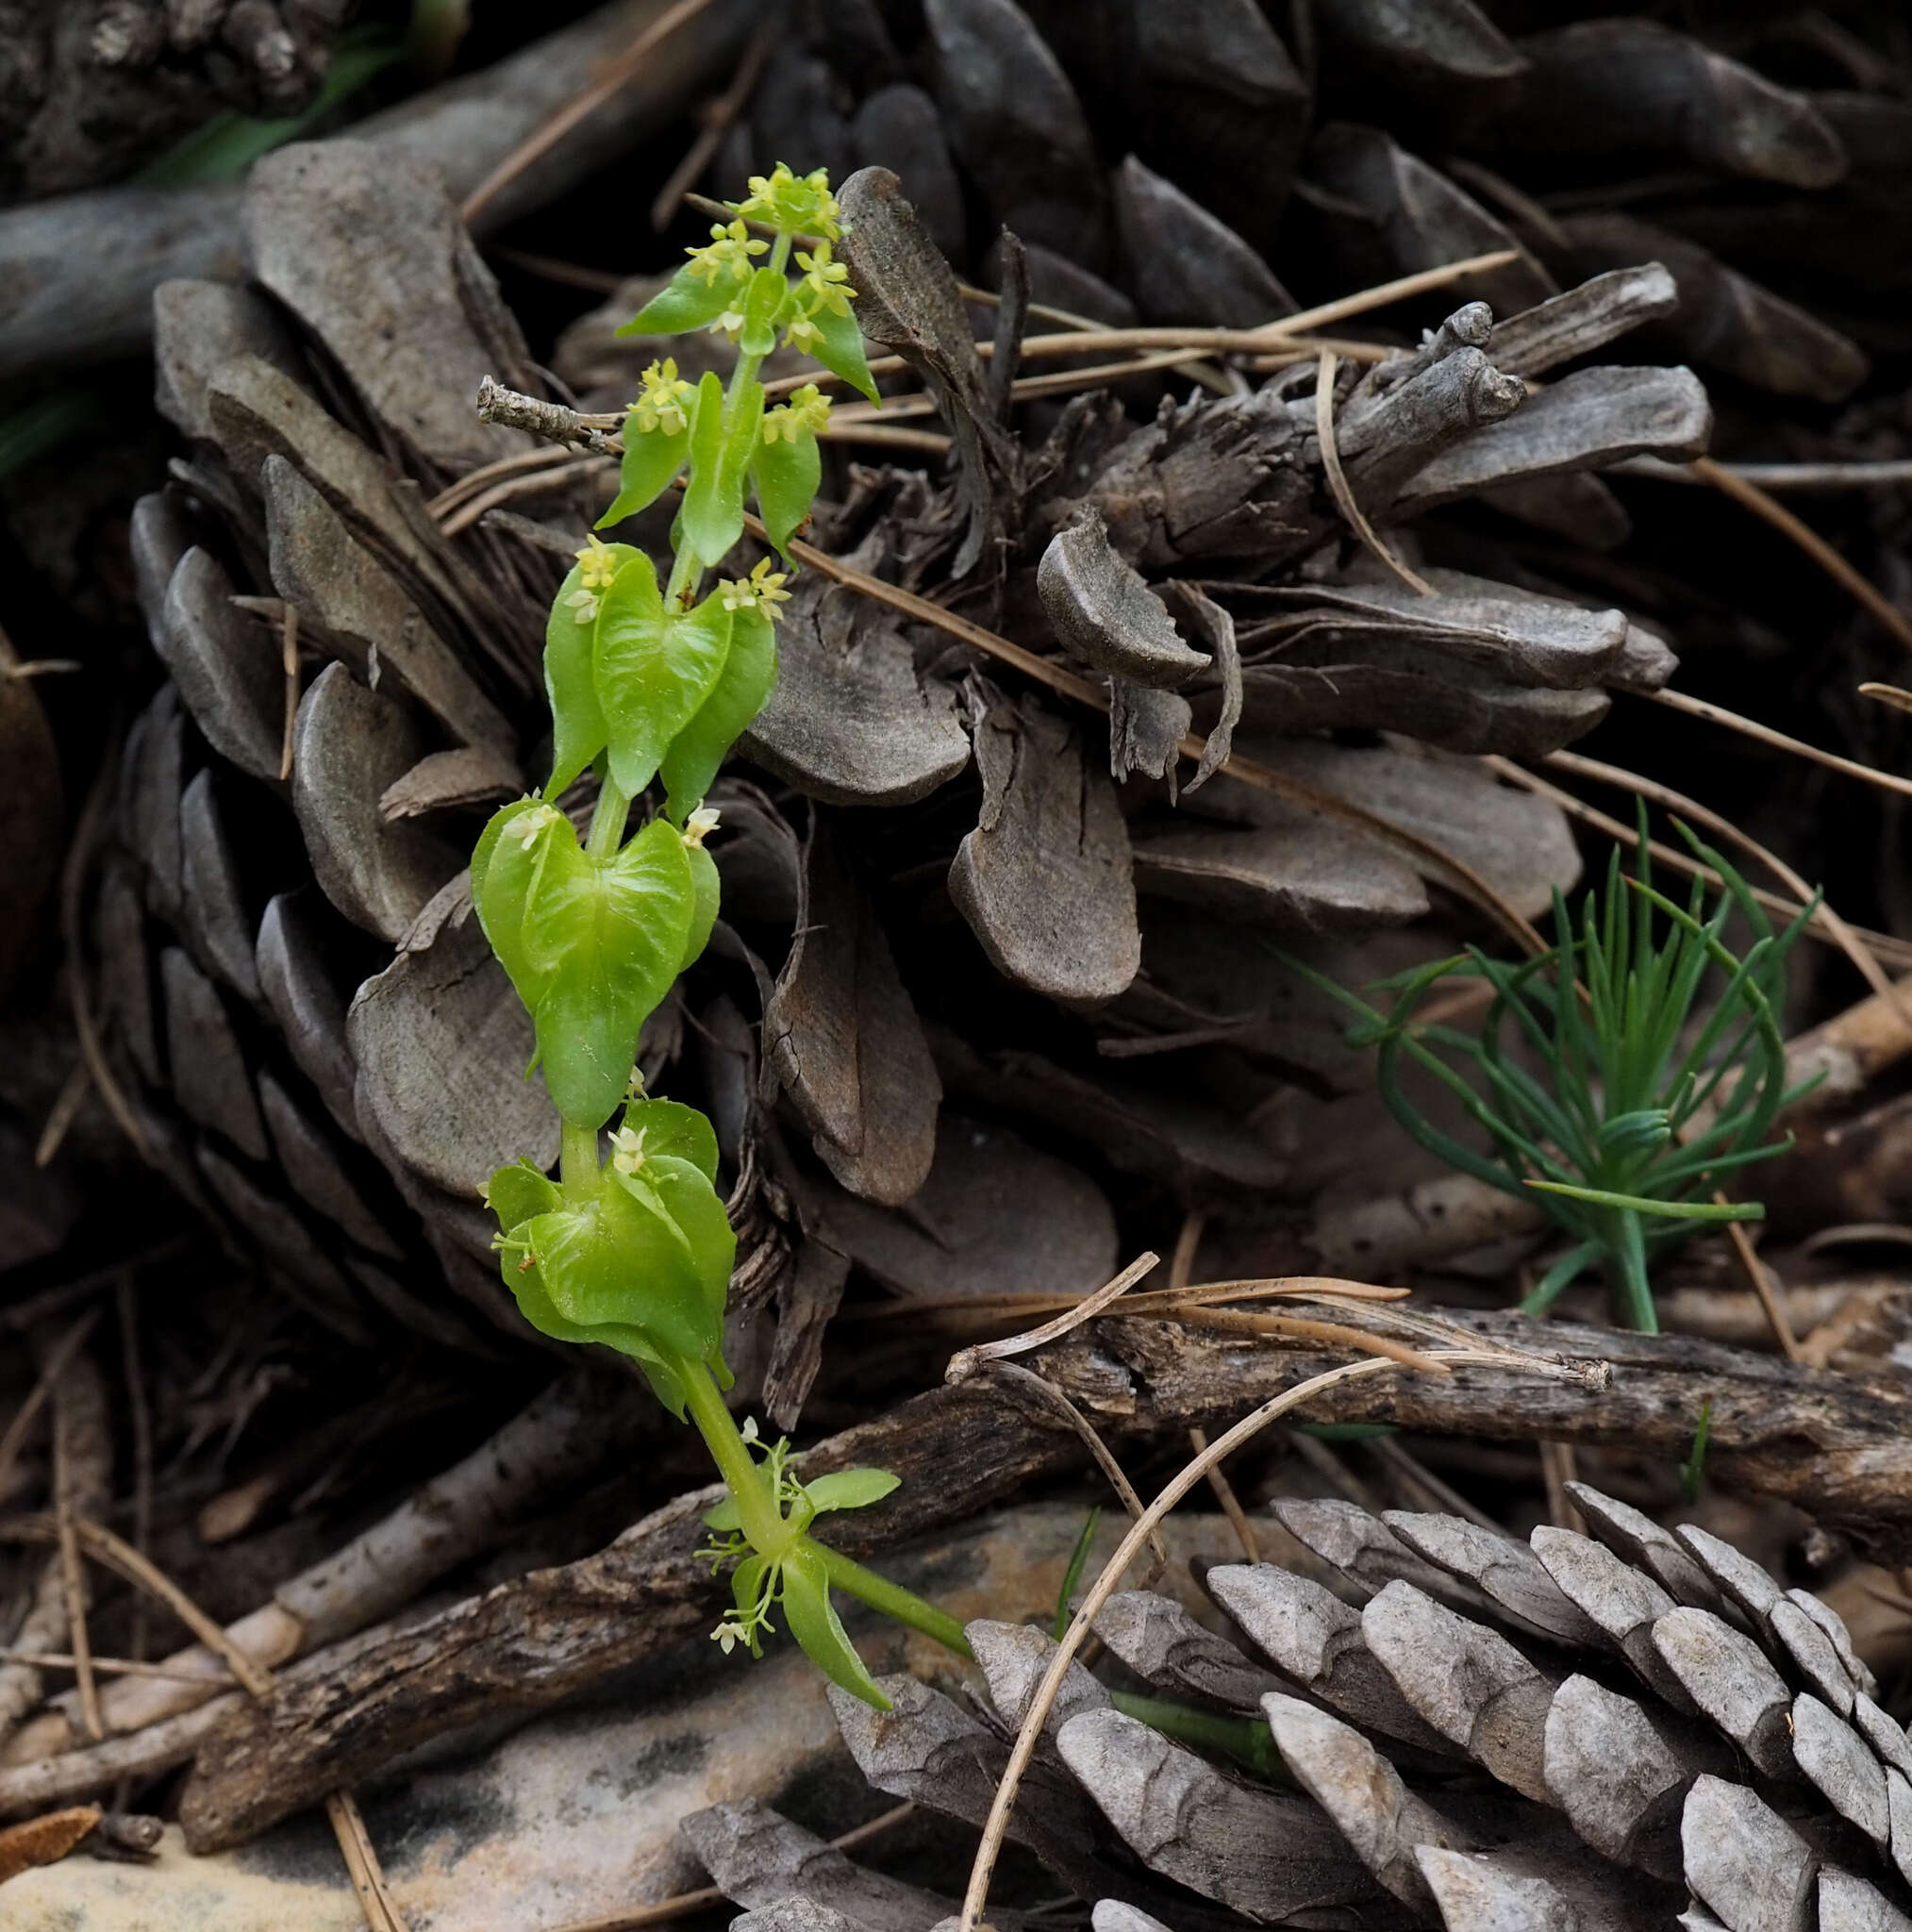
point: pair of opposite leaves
(654, 690)
(592, 946)
(798, 1576)
(640, 1260)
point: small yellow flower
(727, 253)
(634, 1086)
(665, 401)
(728, 1634)
(599, 565)
(582, 605)
(801, 333)
(827, 279)
(627, 1150)
(700, 825)
(729, 325)
(762, 590)
(808, 409)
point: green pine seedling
(1650, 1097)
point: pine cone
(1633, 1728)
(331, 1061)
(97, 88)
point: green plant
(1643, 1105)
(651, 684)
(1072, 1577)
(1693, 1472)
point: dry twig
(713, 120)
(1337, 481)
(21, 1424)
(140, 1426)
(1765, 734)
(72, 1577)
(968, 1360)
(1847, 939)
(1882, 945)
(615, 76)
(72, 1532)
(1743, 490)
(1046, 1392)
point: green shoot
(652, 676)
(1072, 1577)
(1247, 1740)
(1648, 1097)
(1694, 1474)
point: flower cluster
(794, 204)
(823, 290)
(727, 254)
(627, 1150)
(807, 413)
(762, 590)
(826, 279)
(666, 401)
(596, 565)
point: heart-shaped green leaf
(837, 345)
(688, 1198)
(655, 670)
(651, 458)
(525, 841)
(577, 724)
(713, 517)
(814, 1623)
(850, 1488)
(705, 895)
(687, 301)
(519, 1193)
(700, 747)
(621, 1263)
(785, 475)
(526, 1280)
(614, 934)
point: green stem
(1636, 1295)
(577, 1159)
(607, 821)
(763, 1524)
(902, 1605)
(1247, 1740)
(1553, 1284)
(685, 569)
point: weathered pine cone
(93, 88)
(1628, 1729)
(333, 1064)
(1159, 158)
